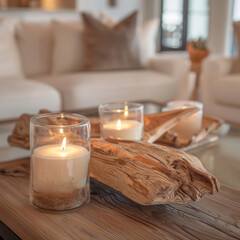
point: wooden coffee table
(110, 215)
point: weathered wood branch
(155, 125)
(209, 124)
(150, 174)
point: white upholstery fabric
(148, 39)
(68, 47)
(10, 65)
(84, 90)
(35, 44)
(227, 90)
(216, 76)
(178, 69)
(25, 96)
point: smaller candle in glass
(190, 126)
(123, 121)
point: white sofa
(220, 89)
(163, 79)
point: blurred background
(181, 20)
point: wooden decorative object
(208, 124)
(155, 125)
(20, 134)
(150, 174)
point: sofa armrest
(179, 69)
(215, 67)
(173, 66)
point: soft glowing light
(119, 125)
(126, 111)
(61, 130)
(64, 144)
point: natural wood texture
(110, 215)
(20, 134)
(209, 124)
(150, 174)
(155, 125)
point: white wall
(123, 8)
(220, 29)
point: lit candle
(123, 129)
(122, 120)
(190, 126)
(60, 168)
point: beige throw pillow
(35, 46)
(68, 47)
(148, 35)
(236, 27)
(10, 64)
(111, 48)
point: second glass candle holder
(122, 120)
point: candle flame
(64, 144)
(126, 111)
(61, 130)
(119, 125)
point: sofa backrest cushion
(148, 39)
(68, 47)
(10, 64)
(114, 48)
(35, 42)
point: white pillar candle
(58, 169)
(123, 129)
(190, 126)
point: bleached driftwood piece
(149, 173)
(20, 134)
(155, 125)
(209, 124)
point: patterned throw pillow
(113, 48)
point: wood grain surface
(110, 215)
(149, 173)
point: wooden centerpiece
(142, 171)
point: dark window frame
(184, 30)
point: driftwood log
(155, 125)
(150, 174)
(209, 124)
(20, 134)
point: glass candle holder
(190, 126)
(60, 156)
(121, 120)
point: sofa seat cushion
(226, 90)
(25, 96)
(89, 89)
